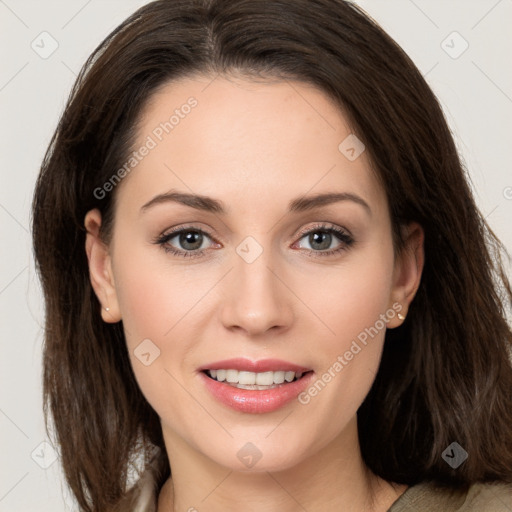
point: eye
(190, 242)
(321, 238)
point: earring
(107, 309)
(400, 316)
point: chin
(258, 456)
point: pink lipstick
(255, 386)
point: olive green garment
(426, 497)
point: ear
(100, 268)
(407, 272)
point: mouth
(255, 386)
(261, 381)
(255, 392)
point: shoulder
(480, 497)
(495, 497)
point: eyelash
(345, 239)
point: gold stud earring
(400, 316)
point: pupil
(314, 238)
(188, 238)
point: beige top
(423, 497)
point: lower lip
(256, 401)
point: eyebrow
(208, 204)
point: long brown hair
(445, 374)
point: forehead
(234, 138)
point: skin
(255, 147)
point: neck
(332, 478)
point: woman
(254, 368)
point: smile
(252, 380)
(255, 387)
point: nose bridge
(256, 300)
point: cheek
(151, 304)
(152, 295)
(352, 296)
(352, 306)
(140, 300)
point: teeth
(265, 379)
(279, 377)
(232, 376)
(253, 380)
(246, 378)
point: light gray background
(475, 90)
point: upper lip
(263, 365)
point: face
(259, 271)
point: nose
(256, 296)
